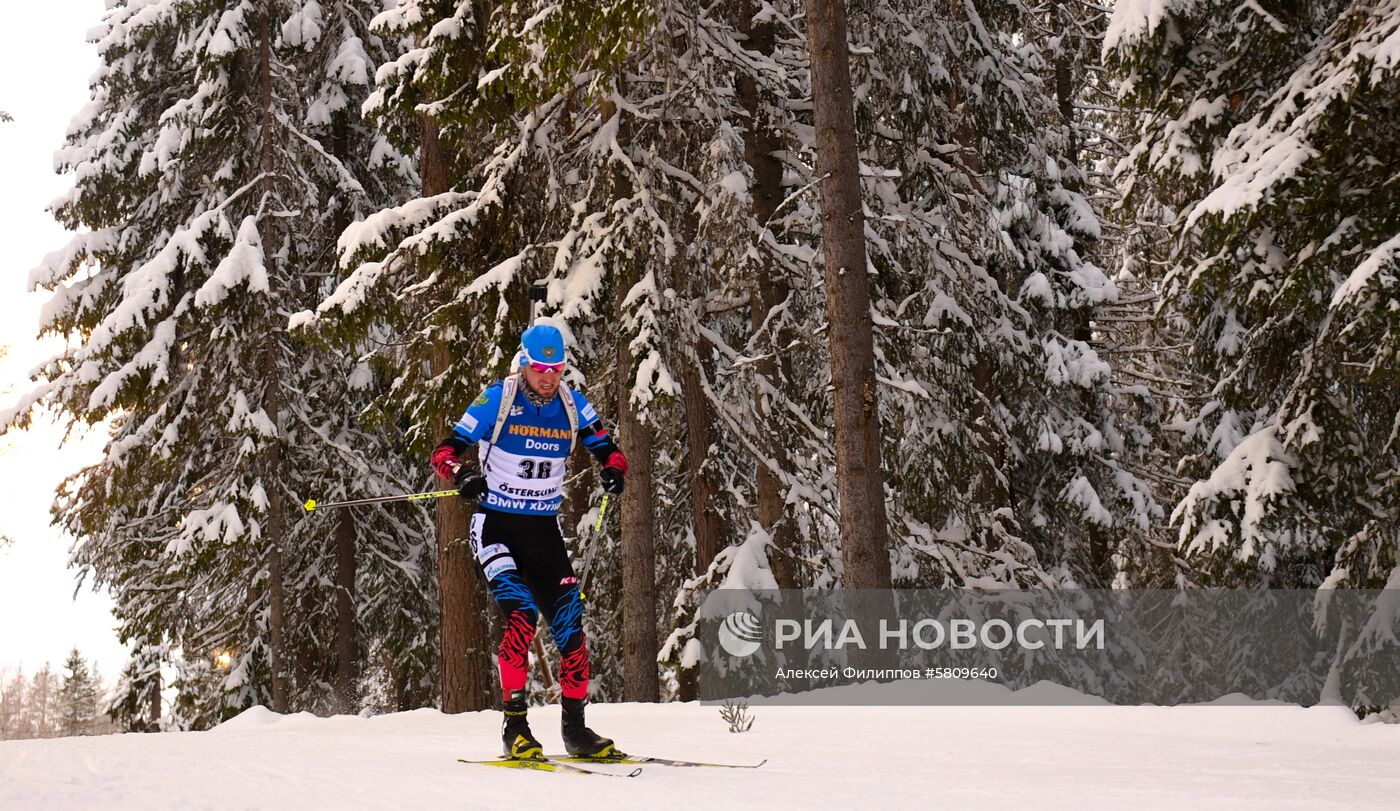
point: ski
(547, 765)
(644, 760)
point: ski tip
(635, 772)
(310, 504)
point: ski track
(903, 757)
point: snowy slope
(1264, 756)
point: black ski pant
(528, 573)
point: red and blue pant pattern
(526, 567)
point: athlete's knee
(566, 619)
(566, 623)
(514, 653)
(511, 593)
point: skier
(524, 428)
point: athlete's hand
(613, 473)
(612, 480)
(445, 462)
(470, 484)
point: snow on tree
(79, 697)
(1268, 133)
(218, 156)
(1285, 260)
(135, 703)
(448, 272)
(269, 303)
(46, 706)
(42, 707)
(1078, 482)
(1007, 458)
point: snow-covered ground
(1263, 756)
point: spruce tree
(135, 703)
(1010, 460)
(212, 170)
(1284, 257)
(78, 699)
(1268, 131)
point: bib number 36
(536, 469)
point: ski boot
(579, 740)
(516, 738)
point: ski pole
(602, 508)
(588, 555)
(311, 504)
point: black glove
(471, 485)
(612, 480)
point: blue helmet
(543, 344)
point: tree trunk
(154, 707)
(865, 555)
(1064, 78)
(277, 641)
(576, 501)
(768, 290)
(466, 682)
(699, 436)
(640, 679)
(1101, 544)
(347, 672)
(347, 661)
(987, 489)
(704, 518)
(464, 659)
(272, 404)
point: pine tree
(211, 171)
(78, 699)
(1268, 134)
(135, 703)
(1285, 251)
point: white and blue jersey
(525, 468)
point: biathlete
(524, 428)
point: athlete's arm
(599, 443)
(475, 424)
(596, 439)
